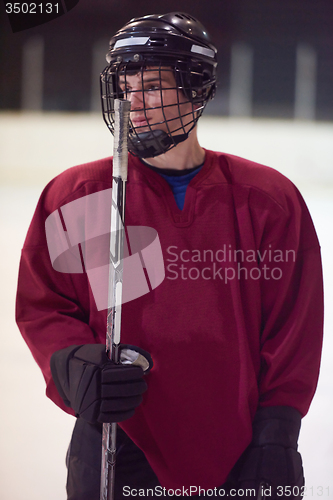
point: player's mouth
(140, 121)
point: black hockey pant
(132, 469)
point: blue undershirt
(178, 181)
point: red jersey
(233, 322)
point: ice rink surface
(33, 149)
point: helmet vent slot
(157, 42)
(185, 16)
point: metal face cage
(167, 99)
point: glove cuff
(59, 369)
(276, 425)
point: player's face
(156, 103)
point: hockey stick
(117, 234)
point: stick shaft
(117, 235)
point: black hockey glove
(97, 389)
(271, 465)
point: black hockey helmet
(174, 42)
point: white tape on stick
(122, 110)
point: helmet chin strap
(153, 143)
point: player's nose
(136, 99)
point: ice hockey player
(234, 325)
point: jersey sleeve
(292, 307)
(52, 308)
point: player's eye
(152, 87)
